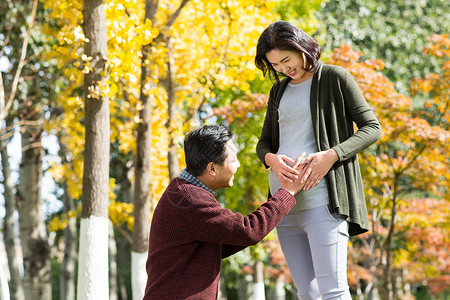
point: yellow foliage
(213, 48)
(121, 213)
(60, 222)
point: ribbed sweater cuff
(288, 198)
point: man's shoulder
(185, 191)
(186, 186)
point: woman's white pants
(314, 244)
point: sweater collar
(192, 179)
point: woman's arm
(369, 129)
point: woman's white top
(296, 137)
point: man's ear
(210, 168)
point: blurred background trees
(171, 66)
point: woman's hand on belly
(279, 164)
(316, 166)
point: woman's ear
(305, 60)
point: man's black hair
(204, 145)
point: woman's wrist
(267, 157)
(333, 154)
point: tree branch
(2, 95)
(162, 34)
(129, 89)
(15, 83)
(151, 7)
(176, 14)
(7, 37)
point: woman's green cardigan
(336, 104)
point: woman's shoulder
(280, 83)
(334, 70)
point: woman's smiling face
(290, 63)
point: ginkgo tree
(24, 91)
(199, 55)
(207, 54)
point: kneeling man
(191, 232)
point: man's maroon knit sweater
(191, 233)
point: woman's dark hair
(204, 145)
(283, 35)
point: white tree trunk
(93, 259)
(4, 288)
(245, 289)
(222, 295)
(258, 291)
(258, 284)
(33, 234)
(139, 274)
(278, 292)
(16, 286)
(113, 288)
(93, 280)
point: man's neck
(205, 179)
(195, 180)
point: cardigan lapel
(280, 88)
(314, 103)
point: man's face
(225, 172)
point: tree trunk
(67, 273)
(222, 292)
(142, 167)
(374, 294)
(278, 292)
(15, 286)
(171, 107)
(258, 281)
(123, 259)
(68, 265)
(122, 172)
(245, 289)
(142, 160)
(4, 288)
(113, 288)
(141, 198)
(33, 235)
(387, 288)
(93, 255)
